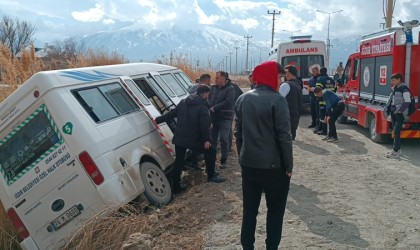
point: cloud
(90, 15)
(247, 24)
(108, 21)
(203, 18)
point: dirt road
(343, 196)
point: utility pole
(274, 13)
(230, 62)
(226, 63)
(236, 60)
(328, 34)
(247, 47)
(389, 11)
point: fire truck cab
(366, 83)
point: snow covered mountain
(205, 46)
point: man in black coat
(192, 132)
(265, 153)
(222, 101)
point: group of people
(203, 119)
(325, 105)
(263, 134)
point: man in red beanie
(265, 152)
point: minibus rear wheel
(157, 187)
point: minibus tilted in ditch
(74, 142)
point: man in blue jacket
(334, 107)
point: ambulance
(366, 82)
(75, 142)
(304, 53)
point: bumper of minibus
(28, 244)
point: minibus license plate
(65, 217)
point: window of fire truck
(355, 69)
(346, 74)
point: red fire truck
(366, 82)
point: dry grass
(8, 237)
(161, 227)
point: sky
(59, 19)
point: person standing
(192, 132)
(334, 107)
(313, 102)
(221, 99)
(292, 91)
(326, 83)
(238, 92)
(400, 100)
(265, 153)
(193, 164)
(340, 69)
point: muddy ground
(342, 196)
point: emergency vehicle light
(301, 41)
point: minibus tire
(157, 187)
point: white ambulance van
(74, 142)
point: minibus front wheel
(157, 187)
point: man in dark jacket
(238, 92)
(325, 82)
(192, 132)
(222, 100)
(265, 153)
(292, 91)
(314, 103)
(334, 107)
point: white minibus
(74, 142)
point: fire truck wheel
(157, 187)
(378, 138)
(342, 119)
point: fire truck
(366, 83)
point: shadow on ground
(321, 222)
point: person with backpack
(400, 100)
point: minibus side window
(158, 89)
(137, 92)
(150, 94)
(105, 102)
(185, 81)
(119, 98)
(171, 81)
(164, 86)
